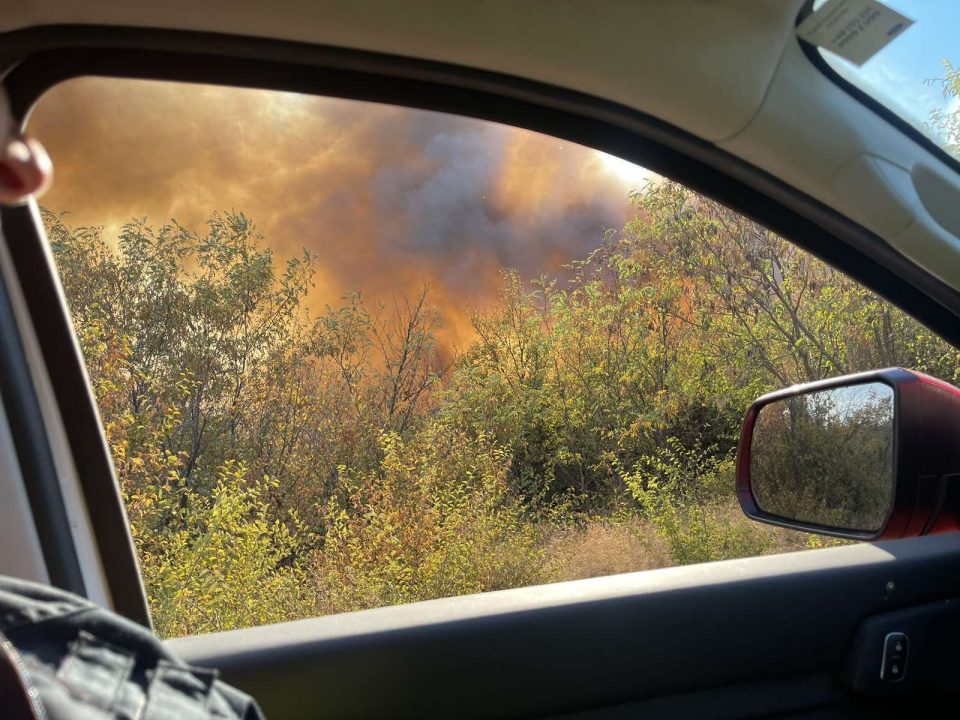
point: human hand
(25, 167)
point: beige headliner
(700, 64)
(728, 71)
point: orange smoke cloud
(385, 198)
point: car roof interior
(730, 73)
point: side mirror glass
(826, 457)
(868, 456)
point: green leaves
(227, 564)
(435, 519)
(278, 460)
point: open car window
(350, 355)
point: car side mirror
(869, 456)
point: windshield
(916, 75)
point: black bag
(68, 658)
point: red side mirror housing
(871, 456)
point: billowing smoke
(385, 198)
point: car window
(915, 75)
(350, 355)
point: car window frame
(43, 57)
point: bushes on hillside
(435, 519)
(278, 460)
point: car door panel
(770, 635)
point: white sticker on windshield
(854, 29)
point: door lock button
(896, 647)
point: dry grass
(784, 540)
(609, 546)
(604, 546)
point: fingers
(25, 170)
(25, 167)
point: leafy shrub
(222, 563)
(434, 519)
(684, 493)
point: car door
(777, 636)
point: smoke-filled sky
(385, 198)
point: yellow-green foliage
(435, 519)
(685, 494)
(223, 563)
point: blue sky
(897, 75)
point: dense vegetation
(279, 464)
